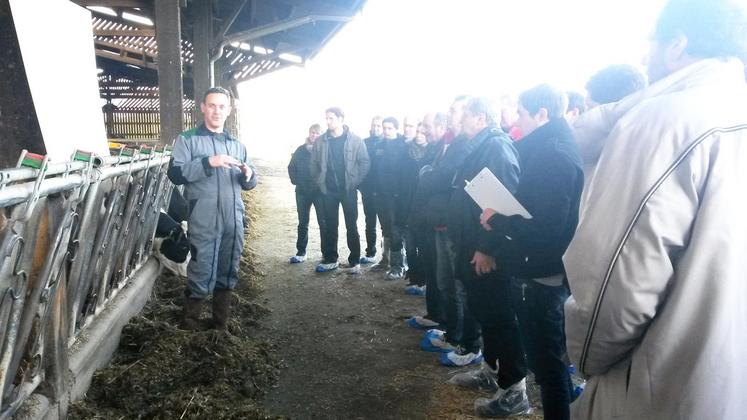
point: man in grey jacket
(214, 168)
(339, 163)
(657, 318)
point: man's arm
(293, 168)
(364, 163)
(505, 166)
(550, 214)
(183, 169)
(248, 174)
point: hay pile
(161, 372)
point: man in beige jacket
(657, 320)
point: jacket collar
(203, 131)
(487, 132)
(556, 127)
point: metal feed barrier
(71, 237)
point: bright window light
(291, 57)
(261, 50)
(137, 18)
(102, 10)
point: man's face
(215, 109)
(455, 116)
(334, 122)
(471, 124)
(411, 128)
(428, 127)
(526, 122)
(313, 134)
(390, 132)
(438, 132)
(376, 129)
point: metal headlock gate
(72, 235)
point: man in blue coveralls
(214, 168)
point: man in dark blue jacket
(307, 192)
(487, 285)
(368, 194)
(549, 188)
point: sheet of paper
(61, 71)
(490, 193)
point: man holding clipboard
(530, 250)
(504, 368)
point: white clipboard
(490, 193)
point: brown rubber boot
(191, 314)
(221, 309)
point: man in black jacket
(307, 192)
(487, 285)
(549, 188)
(390, 155)
(368, 195)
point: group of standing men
(630, 257)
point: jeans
(331, 204)
(304, 201)
(369, 200)
(460, 324)
(490, 303)
(541, 319)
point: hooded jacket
(657, 319)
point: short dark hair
(714, 28)
(216, 89)
(545, 96)
(316, 127)
(576, 101)
(614, 82)
(335, 110)
(392, 121)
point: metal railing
(71, 236)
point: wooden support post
(202, 41)
(168, 37)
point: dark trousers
(331, 204)
(433, 300)
(369, 212)
(461, 326)
(392, 211)
(304, 201)
(490, 303)
(539, 309)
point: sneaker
(460, 357)
(506, 402)
(356, 269)
(421, 323)
(323, 268)
(483, 378)
(435, 341)
(395, 273)
(415, 290)
(368, 260)
(297, 259)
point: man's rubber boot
(221, 309)
(191, 314)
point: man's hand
(484, 263)
(246, 170)
(223, 161)
(485, 216)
